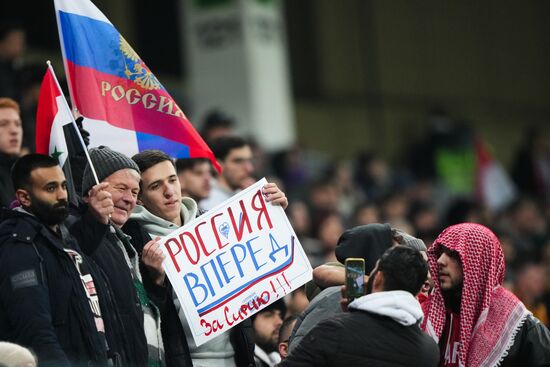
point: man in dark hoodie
(367, 242)
(43, 303)
(384, 323)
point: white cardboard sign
(233, 261)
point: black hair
(285, 326)
(22, 168)
(222, 146)
(404, 269)
(148, 158)
(184, 164)
(216, 119)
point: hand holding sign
(234, 260)
(274, 195)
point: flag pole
(73, 122)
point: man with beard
(266, 324)
(473, 318)
(48, 297)
(382, 327)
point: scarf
(490, 316)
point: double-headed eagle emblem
(135, 69)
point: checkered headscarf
(490, 316)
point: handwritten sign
(233, 261)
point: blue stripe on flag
(92, 43)
(170, 147)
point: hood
(401, 306)
(367, 242)
(156, 226)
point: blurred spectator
(284, 335)
(394, 206)
(373, 176)
(529, 288)
(11, 135)
(348, 194)
(299, 217)
(327, 228)
(527, 227)
(216, 124)
(289, 165)
(195, 175)
(12, 47)
(531, 169)
(13, 355)
(365, 213)
(235, 157)
(323, 196)
(296, 302)
(30, 81)
(266, 324)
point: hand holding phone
(355, 278)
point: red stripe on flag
(45, 113)
(123, 103)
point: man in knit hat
(119, 177)
(475, 320)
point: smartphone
(355, 278)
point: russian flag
(124, 104)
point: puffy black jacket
(531, 346)
(110, 258)
(43, 305)
(364, 339)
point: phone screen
(355, 278)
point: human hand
(152, 256)
(100, 202)
(274, 195)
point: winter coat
(382, 329)
(43, 305)
(110, 259)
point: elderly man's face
(124, 189)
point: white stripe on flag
(58, 145)
(102, 133)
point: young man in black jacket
(382, 327)
(51, 297)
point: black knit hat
(106, 162)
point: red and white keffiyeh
(490, 316)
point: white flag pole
(73, 122)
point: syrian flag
(53, 118)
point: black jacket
(531, 346)
(364, 339)
(110, 258)
(43, 305)
(176, 349)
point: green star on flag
(56, 153)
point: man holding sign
(162, 210)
